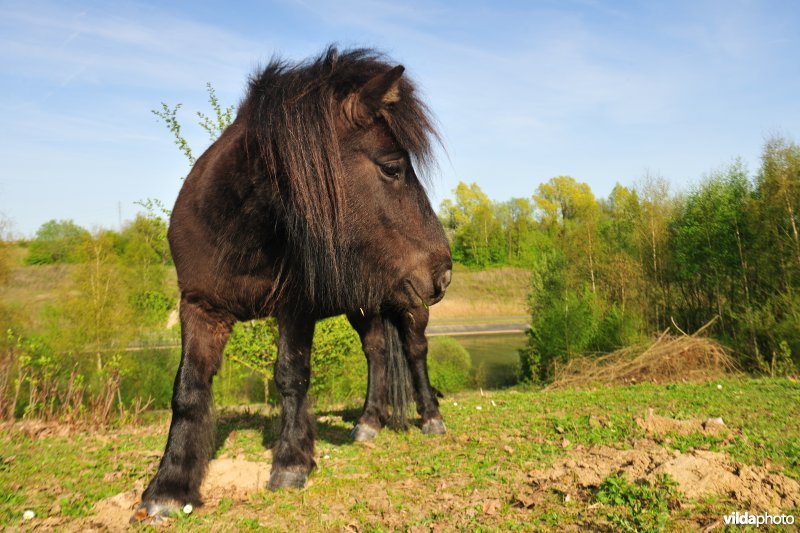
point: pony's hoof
(154, 513)
(363, 433)
(286, 479)
(434, 426)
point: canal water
(495, 357)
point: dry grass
(452, 309)
(670, 359)
(30, 288)
(499, 292)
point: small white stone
(187, 509)
(28, 515)
(478, 407)
(455, 403)
(326, 456)
(719, 386)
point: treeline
(608, 272)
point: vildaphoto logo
(763, 519)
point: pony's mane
(291, 111)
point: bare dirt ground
(235, 479)
(697, 474)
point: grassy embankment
(495, 295)
(482, 474)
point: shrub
(338, 365)
(448, 364)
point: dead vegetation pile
(670, 359)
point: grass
(488, 295)
(638, 507)
(470, 478)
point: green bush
(338, 365)
(448, 364)
(152, 307)
(149, 375)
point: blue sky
(603, 91)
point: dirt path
(487, 328)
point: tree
(569, 209)
(775, 272)
(656, 208)
(622, 269)
(5, 250)
(707, 241)
(92, 313)
(57, 241)
(477, 234)
(145, 257)
(519, 226)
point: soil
(697, 473)
(235, 479)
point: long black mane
(291, 111)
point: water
(495, 361)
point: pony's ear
(379, 92)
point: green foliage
(170, 117)
(92, 312)
(254, 344)
(477, 237)
(36, 382)
(152, 306)
(449, 364)
(222, 117)
(57, 241)
(5, 251)
(148, 376)
(644, 507)
(608, 273)
(338, 365)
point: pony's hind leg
(191, 433)
(415, 346)
(374, 416)
(293, 455)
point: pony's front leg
(374, 416)
(293, 455)
(415, 346)
(190, 443)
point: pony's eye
(391, 170)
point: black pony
(307, 206)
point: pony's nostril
(444, 280)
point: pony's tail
(399, 377)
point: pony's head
(342, 136)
